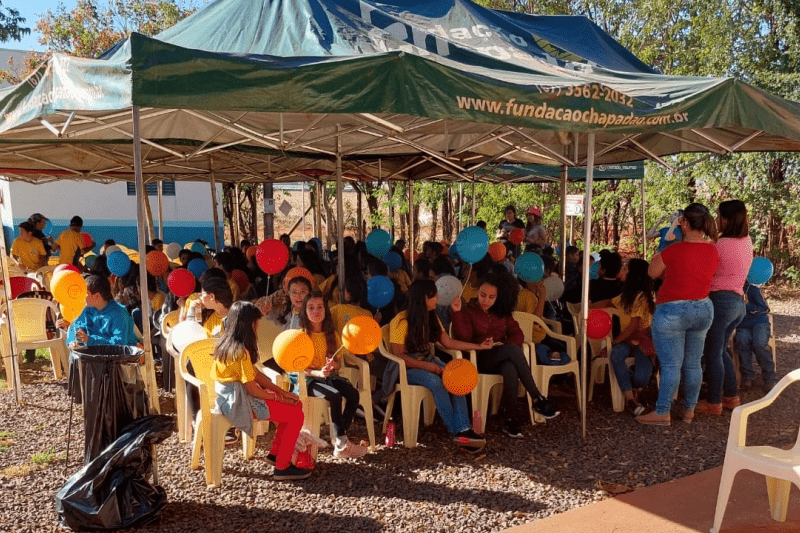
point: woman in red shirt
(683, 312)
(490, 318)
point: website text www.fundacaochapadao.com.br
(544, 111)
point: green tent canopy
(264, 90)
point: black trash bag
(112, 491)
(113, 393)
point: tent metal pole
(236, 219)
(317, 208)
(340, 213)
(473, 201)
(390, 186)
(303, 196)
(563, 253)
(141, 198)
(12, 361)
(460, 205)
(644, 223)
(359, 213)
(214, 205)
(160, 187)
(412, 244)
(587, 239)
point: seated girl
(322, 380)
(243, 393)
(412, 334)
(489, 319)
(635, 306)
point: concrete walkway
(683, 506)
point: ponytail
(699, 218)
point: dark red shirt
(472, 324)
(690, 269)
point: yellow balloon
(70, 313)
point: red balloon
(87, 240)
(157, 263)
(516, 236)
(181, 282)
(251, 251)
(598, 324)
(272, 256)
(240, 278)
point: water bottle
(477, 421)
(390, 434)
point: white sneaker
(350, 450)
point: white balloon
(449, 288)
(186, 333)
(173, 249)
(112, 248)
(554, 286)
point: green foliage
(10, 29)
(44, 457)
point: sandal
(232, 436)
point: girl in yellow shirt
(322, 381)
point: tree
(10, 28)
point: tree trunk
(774, 235)
(227, 205)
(434, 222)
(447, 215)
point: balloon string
(469, 273)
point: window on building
(167, 188)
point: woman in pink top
(683, 312)
(735, 251)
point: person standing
(735, 250)
(684, 312)
(39, 222)
(506, 226)
(535, 234)
(70, 243)
(28, 249)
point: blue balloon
(318, 241)
(118, 263)
(530, 267)
(393, 261)
(594, 270)
(378, 242)
(296, 245)
(454, 251)
(197, 267)
(48, 227)
(380, 291)
(472, 244)
(761, 270)
(198, 247)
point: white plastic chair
(543, 373)
(45, 274)
(411, 398)
(598, 364)
(30, 322)
(211, 425)
(780, 467)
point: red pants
(289, 419)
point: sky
(30, 10)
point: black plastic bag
(113, 393)
(112, 491)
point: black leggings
(509, 361)
(334, 389)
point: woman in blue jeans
(412, 333)
(735, 251)
(683, 312)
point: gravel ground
(433, 488)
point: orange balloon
(497, 251)
(251, 251)
(293, 350)
(459, 377)
(69, 288)
(157, 263)
(70, 313)
(361, 335)
(296, 272)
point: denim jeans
(729, 310)
(679, 331)
(452, 409)
(751, 341)
(642, 369)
